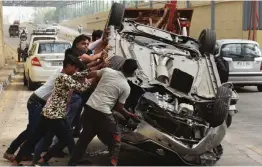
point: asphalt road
(242, 144)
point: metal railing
(90, 7)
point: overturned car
(176, 91)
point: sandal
(9, 157)
(42, 164)
(27, 158)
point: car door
(243, 58)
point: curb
(6, 81)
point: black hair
(80, 38)
(72, 59)
(129, 66)
(116, 62)
(96, 34)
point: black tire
(259, 88)
(229, 120)
(207, 41)
(116, 16)
(31, 85)
(218, 115)
(25, 80)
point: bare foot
(15, 163)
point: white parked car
(51, 30)
(56, 26)
(45, 57)
(244, 59)
(41, 35)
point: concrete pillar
(213, 15)
(2, 56)
(188, 3)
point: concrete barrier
(10, 53)
(10, 68)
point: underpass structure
(242, 144)
(77, 8)
(230, 19)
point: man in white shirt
(110, 93)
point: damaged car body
(176, 91)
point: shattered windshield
(236, 50)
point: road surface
(71, 31)
(242, 144)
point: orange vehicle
(168, 18)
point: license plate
(57, 63)
(243, 64)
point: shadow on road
(246, 90)
(132, 156)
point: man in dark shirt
(223, 68)
(96, 35)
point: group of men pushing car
(87, 80)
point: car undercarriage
(176, 91)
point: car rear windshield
(236, 50)
(53, 47)
(43, 38)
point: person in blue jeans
(46, 141)
(35, 104)
(53, 115)
(79, 48)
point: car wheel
(207, 41)
(31, 85)
(259, 88)
(116, 16)
(229, 120)
(218, 114)
(25, 80)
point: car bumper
(246, 79)
(40, 75)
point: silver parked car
(244, 59)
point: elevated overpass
(77, 7)
(38, 3)
(230, 19)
